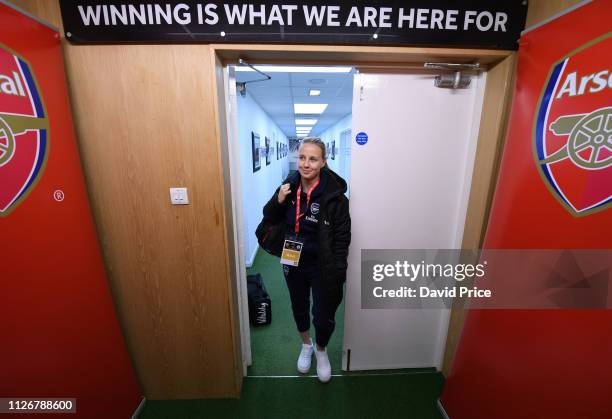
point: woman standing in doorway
(309, 218)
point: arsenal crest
(24, 131)
(573, 130)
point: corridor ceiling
(278, 95)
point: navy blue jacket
(334, 229)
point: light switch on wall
(178, 196)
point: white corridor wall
(333, 134)
(257, 187)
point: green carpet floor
(406, 396)
(275, 347)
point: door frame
(499, 66)
(239, 262)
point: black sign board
(466, 23)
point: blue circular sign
(361, 138)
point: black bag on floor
(260, 306)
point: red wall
(59, 333)
(540, 363)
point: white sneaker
(303, 364)
(323, 366)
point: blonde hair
(318, 142)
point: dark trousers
(300, 280)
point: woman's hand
(283, 192)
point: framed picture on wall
(277, 150)
(294, 144)
(255, 149)
(268, 152)
(333, 150)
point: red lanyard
(297, 204)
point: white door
(409, 190)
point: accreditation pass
(292, 249)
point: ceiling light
(309, 108)
(305, 121)
(314, 92)
(295, 69)
(303, 128)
